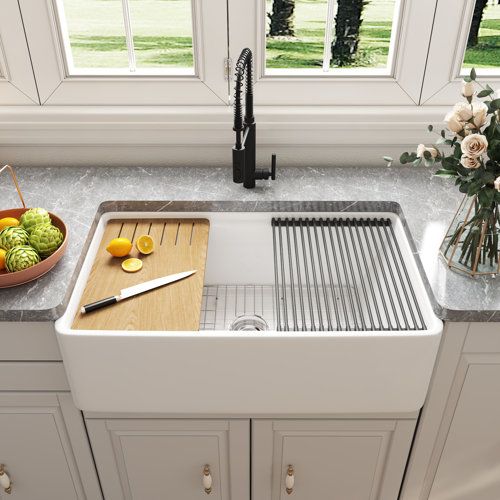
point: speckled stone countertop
(75, 194)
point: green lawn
(486, 54)
(163, 35)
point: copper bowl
(32, 273)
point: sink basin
(350, 328)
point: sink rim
(186, 208)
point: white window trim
(57, 87)
(443, 78)
(402, 86)
(17, 84)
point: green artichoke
(20, 258)
(45, 239)
(11, 237)
(33, 217)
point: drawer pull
(5, 481)
(207, 480)
(290, 479)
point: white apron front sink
(364, 340)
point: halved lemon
(119, 247)
(145, 244)
(132, 265)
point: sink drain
(249, 323)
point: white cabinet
(159, 459)
(457, 448)
(329, 459)
(470, 462)
(35, 447)
(163, 459)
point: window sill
(25, 131)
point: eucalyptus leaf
(430, 128)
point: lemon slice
(145, 244)
(132, 265)
(119, 247)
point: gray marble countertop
(428, 205)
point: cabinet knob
(207, 480)
(290, 479)
(5, 481)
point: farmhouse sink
(306, 310)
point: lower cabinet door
(35, 450)
(329, 459)
(157, 459)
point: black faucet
(244, 149)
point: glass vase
(471, 244)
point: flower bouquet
(471, 244)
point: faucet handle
(273, 167)
(264, 173)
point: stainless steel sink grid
(341, 275)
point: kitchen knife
(135, 290)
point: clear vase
(471, 244)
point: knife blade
(131, 291)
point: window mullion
(129, 36)
(327, 43)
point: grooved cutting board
(180, 245)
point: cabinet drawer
(165, 459)
(334, 459)
(28, 341)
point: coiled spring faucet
(244, 150)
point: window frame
(443, 81)
(401, 87)
(57, 87)
(17, 82)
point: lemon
(2, 259)
(119, 247)
(145, 244)
(8, 222)
(132, 265)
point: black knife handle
(99, 304)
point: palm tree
(347, 25)
(282, 18)
(476, 22)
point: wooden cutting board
(180, 245)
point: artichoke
(11, 237)
(45, 239)
(20, 258)
(33, 217)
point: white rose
(480, 112)
(463, 110)
(474, 145)
(453, 122)
(470, 162)
(497, 183)
(468, 89)
(421, 149)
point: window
(306, 52)
(127, 36)
(328, 35)
(483, 41)
(456, 25)
(128, 52)
(380, 60)
(17, 84)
